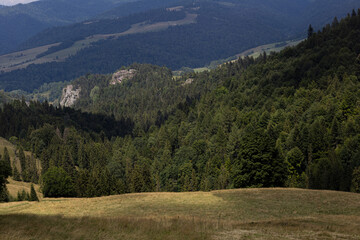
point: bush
(57, 183)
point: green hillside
(287, 119)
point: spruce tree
(22, 159)
(7, 162)
(3, 176)
(335, 22)
(33, 195)
(310, 31)
(353, 13)
(23, 195)
(16, 174)
(19, 196)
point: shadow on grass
(27, 226)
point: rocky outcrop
(121, 75)
(188, 81)
(69, 96)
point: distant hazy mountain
(136, 7)
(15, 2)
(192, 34)
(19, 22)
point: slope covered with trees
(148, 98)
(221, 29)
(286, 119)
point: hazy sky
(13, 2)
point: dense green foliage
(5, 172)
(221, 30)
(147, 98)
(288, 119)
(57, 183)
(20, 119)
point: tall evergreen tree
(4, 174)
(16, 174)
(310, 31)
(22, 159)
(7, 161)
(33, 195)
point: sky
(14, 2)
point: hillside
(147, 94)
(287, 119)
(19, 22)
(228, 214)
(101, 46)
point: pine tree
(22, 160)
(23, 195)
(335, 132)
(19, 196)
(7, 162)
(353, 13)
(33, 195)
(16, 174)
(335, 22)
(4, 197)
(310, 31)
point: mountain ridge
(218, 27)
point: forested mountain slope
(148, 96)
(192, 35)
(19, 22)
(288, 119)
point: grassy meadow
(14, 187)
(228, 214)
(268, 48)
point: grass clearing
(15, 186)
(228, 214)
(17, 60)
(268, 48)
(199, 70)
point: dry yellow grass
(15, 186)
(228, 214)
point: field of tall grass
(228, 214)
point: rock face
(188, 81)
(121, 75)
(69, 96)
